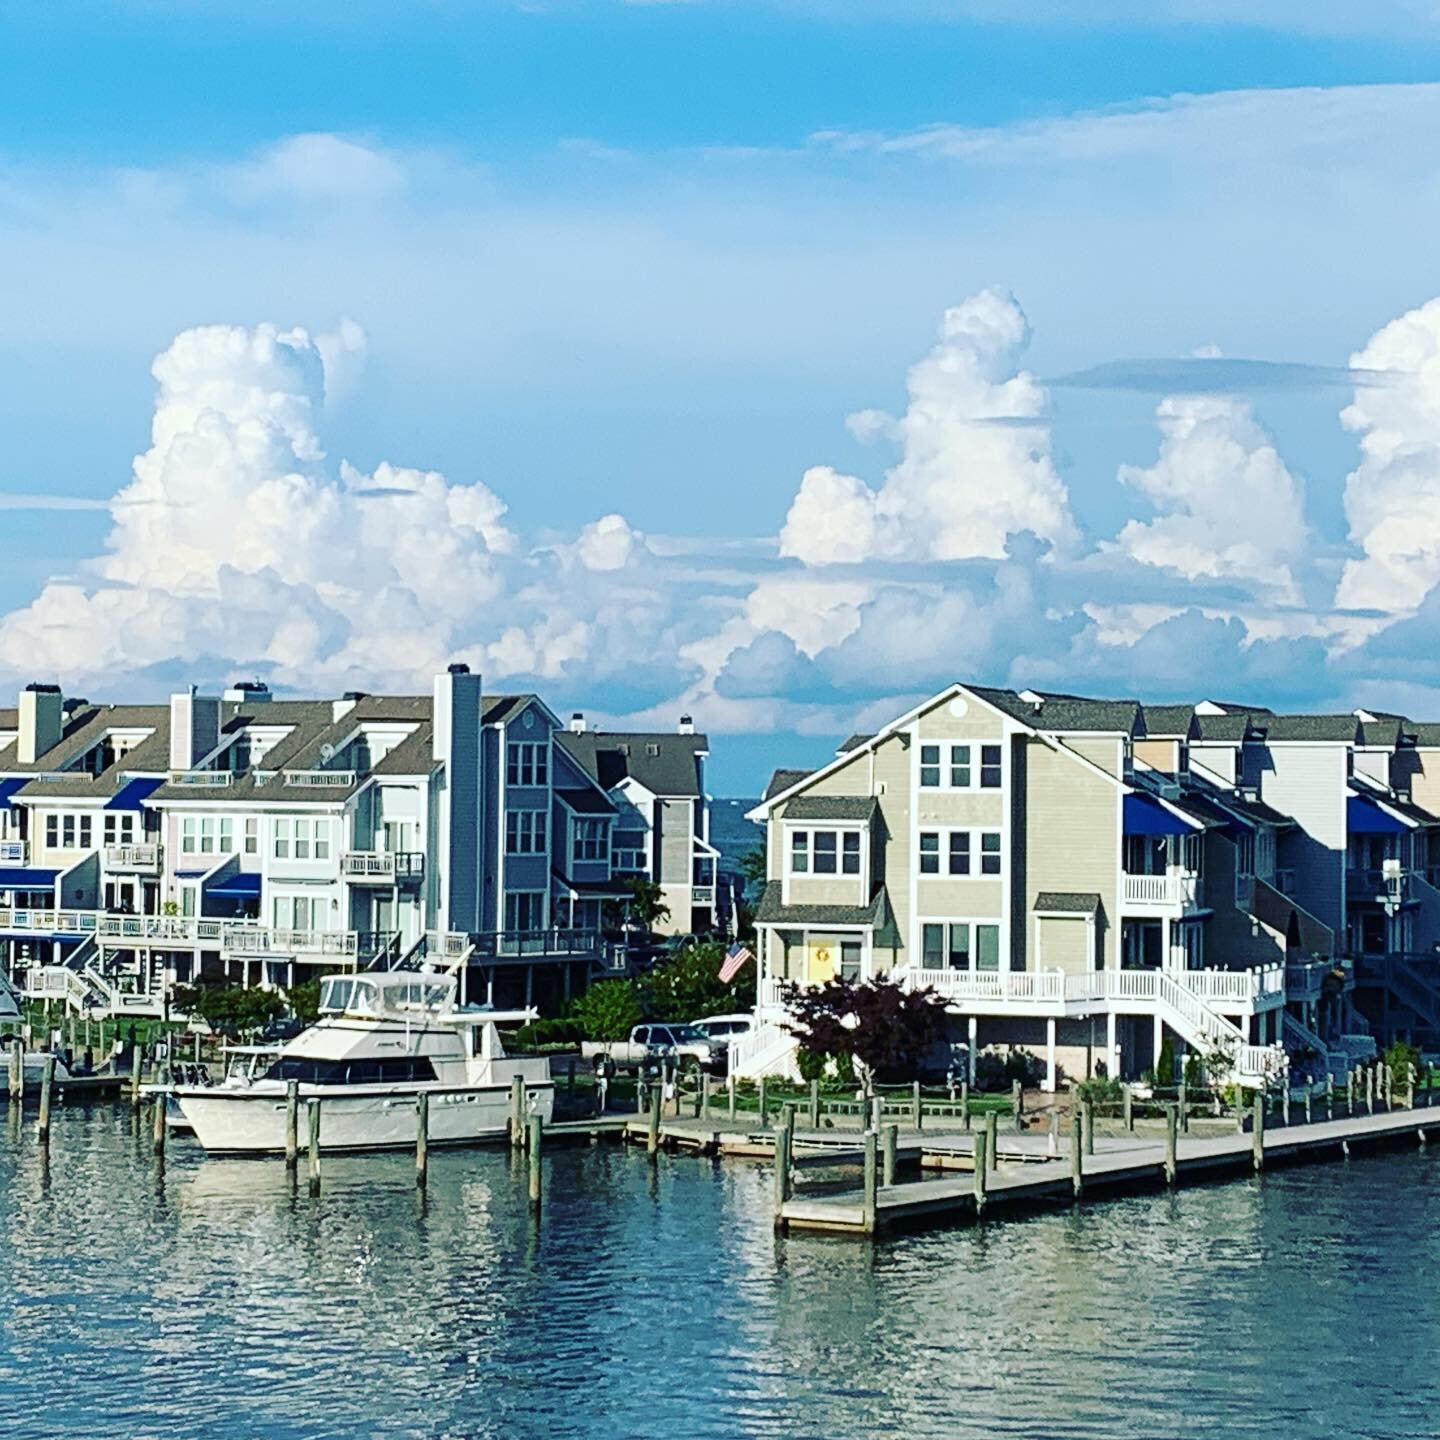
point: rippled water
(212, 1300)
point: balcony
(1177, 890)
(14, 852)
(319, 779)
(377, 867)
(231, 937)
(132, 859)
(61, 924)
(1369, 884)
(503, 945)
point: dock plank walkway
(1119, 1163)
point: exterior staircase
(769, 1049)
(1211, 1033)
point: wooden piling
(535, 1137)
(1052, 1147)
(1370, 1089)
(982, 1164)
(965, 1103)
(422, 1139)
(763, 1101)
(871, 1180)
(814, 1104)
(891, 1137)
(1308, 1114)
(517, 1112)
(784, 1151)
(136, 1065)
(917, 1108)
(1257, 1143)
(1172, 1144)
(159, 1127)
(1350, 1092)
(1017, 1105)
(17, 1071)
(1387, 1081)
(1410, 1078)
(1184, 1109)
(47, 1082)
(877, 1112)
(292, 1124)
(730, 1099)
(702, 1094)
(1129, 1109)
(652, 1138)
(1087, 1115)
(1329, 1096)
(1285, 1103)
(1077, 1154)
(314, 1116)
(992, 1135)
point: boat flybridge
(380, 1041)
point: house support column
(1050, 1077)
(1112, 1049)
(1167, 960)
(1159, 1041)
(972, 1029)
(529, 985)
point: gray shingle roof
(1067, 902)
(831, 807)
(771, 910)
(1383, 734)
(1060, 712)
(853, 742)
(1426, 732)
(587, 801)
(664, 763)
(1315, 728)
(1222, 727)
(782, 780)
(1168, 719)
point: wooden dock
(1120, 1164)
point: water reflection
(207, 1298)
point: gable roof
(1168, 720)
(1059, 713)
(666, 764)
(832, 807)
(1222, 728)
(783, 780)
(1337, 729)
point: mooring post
(1172, 1143)
(314, 1108)
(422, 1138)
(1308, 1086)
(1077, 1153)
(1087, 1115)
(1129, 1109)
(877, 1112)
(1017, 1105)
(1285, 1102)
(872, 1177)
(891, 1135)
(157, 1134)
(1257, 1139)
(137, 1063)
(292, 1124)
(702, 1094)
(784, 1152)
(517, 1112)
(982, 1164)
(1387, 1079)
(652, 1138)
(1329, 1096)
(1183, 1107)
(1370, 1089)
(730, 1098)
(763, 1099)
(917, 1109)
(1350, 1091)
(1052, 1144)
(47, 1081)
(1410, 1078)
(17, 1071)
(992, 1135)
(814, 1104)
(536, 1130)
(965, 1103)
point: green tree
(644, 903)
(229, 1009)
(304, 1001)
(753, 865)
(688, 985)
(608, 1010)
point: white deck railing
(140, 858)
(1178, 888)
(49, 922)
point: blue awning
(9, 787)
(242, 886)
(1364, 817)
(192, 874)
(132, 792)
(1144, 816)
(21, 877)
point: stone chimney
(42, 722)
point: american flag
(735, 957)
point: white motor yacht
(380, 1041)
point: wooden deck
(1119, 1164)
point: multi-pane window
(850, 959)
(68, 831)
(959, 852)
(991, 768)
(929, 852)
(850, 852)
(628, 850)
(987, 947)
(930, 767)
(946, 945)
(799, 852)
(525, 832)
(824, 852)
(252, 836)
(303, 838)
(825, 857)
(119, 828)
(990, 852)
(299, 912)
(592, 839)
(932, 946)
(527, 762)
(524, 910)
(960, 767)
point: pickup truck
(653, 1042)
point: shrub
(608, 1011)
(887, 1029)
(1165, 1063)
(1101, 1090)
(1399, 1058)
(549, 1032)
(687, 986)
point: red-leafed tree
(882, 1026)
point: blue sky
(650, 261)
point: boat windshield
(387, 994)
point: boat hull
(352, 1118)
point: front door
(822, 959)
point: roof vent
(458, 668)
(247, 692)
(1033, 698)
(577, 723)
(356, 694)
(687, 725)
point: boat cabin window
(349, 994)
(387, 1070)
